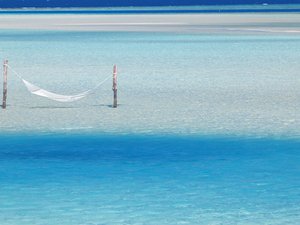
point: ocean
(206, 131)
(171, 9)
(152, 179)
(132, 3)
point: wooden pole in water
(4, 84)
(115, 89)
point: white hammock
(53, 96)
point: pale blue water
(168, 82)
(98, 179)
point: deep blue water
(104, 3)
(103, 179)
(152, 11)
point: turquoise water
(224, 84)
(84, 179)
(168, 82)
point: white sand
(225, 23)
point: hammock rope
(36, 90)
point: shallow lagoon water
(168, 82)
(129, 179)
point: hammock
(53, 96)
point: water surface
(104, 179)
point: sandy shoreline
(199, 23)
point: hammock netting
(36, 90)
(53, 96)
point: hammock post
(115, 89)
(5, 63)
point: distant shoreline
(237, 23)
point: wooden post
(115, 89)
(4, 84)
